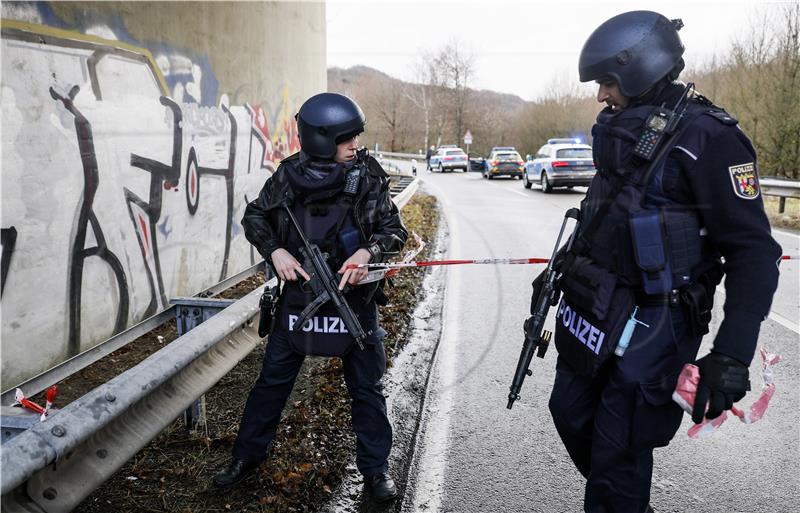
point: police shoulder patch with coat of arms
(745, 180)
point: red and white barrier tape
(23, 401)
(686, 390)
(378, 271)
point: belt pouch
(266, 304)
(589, 286)
(695, 299)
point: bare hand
(287, 266)
(353, 276)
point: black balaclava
(317, 179)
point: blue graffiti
(87, 19)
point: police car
(503, 162)
(449, 158)
(560, 163)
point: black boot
(235, 472)
(382, 487)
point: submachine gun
(536, 337)
(324, 285)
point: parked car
(476, 162)
(560, 163)
(502, 148)
(503, 163)
(447, 159)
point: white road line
(784, 232)
(775, 316)
(431, 460)
(517, 192)
(785, 322)
(508, 190)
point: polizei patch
(583, 331)
(320, 324)
(745, 180)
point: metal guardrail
(395, 155)
(403, 189)
(782, 188)
(390, 167)
(57, 463)
(80, 361)
(60, 461)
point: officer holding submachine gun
(674, 206)
(328, 207)
(545, 295)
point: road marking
(430, 463)
(788, 234)
(775, 316)
(517, 192)
(508, 190)
(785, 322)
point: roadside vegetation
(314, 443)
(758, 82)
(790, 218)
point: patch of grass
(314, 442)
(790, 218)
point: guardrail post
(189, 313)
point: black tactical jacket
(266, 224)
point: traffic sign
(468, 138)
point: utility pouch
(591, 316)
(697, 302)
(350, 239)
(650, 251)
(685, 245)
(323, 334)
(585, 341)
(267, 305)
(589, 286)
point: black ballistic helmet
(325, 120)
(636, 49)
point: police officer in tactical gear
(340, 197)
(675, 205)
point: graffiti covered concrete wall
(133, 136)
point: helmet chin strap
(676, 71)
(658, 88)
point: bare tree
(783, 114)
(456, 66)
(385, 98)
(419, 93)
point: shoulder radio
(659, 124)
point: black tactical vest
(634, 241)
(624, 241)
(330, 224)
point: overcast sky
(520, 47)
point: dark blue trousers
(362, 370)
(611, 423)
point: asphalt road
(474, 455)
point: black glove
(723, 381)
(537, 287)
